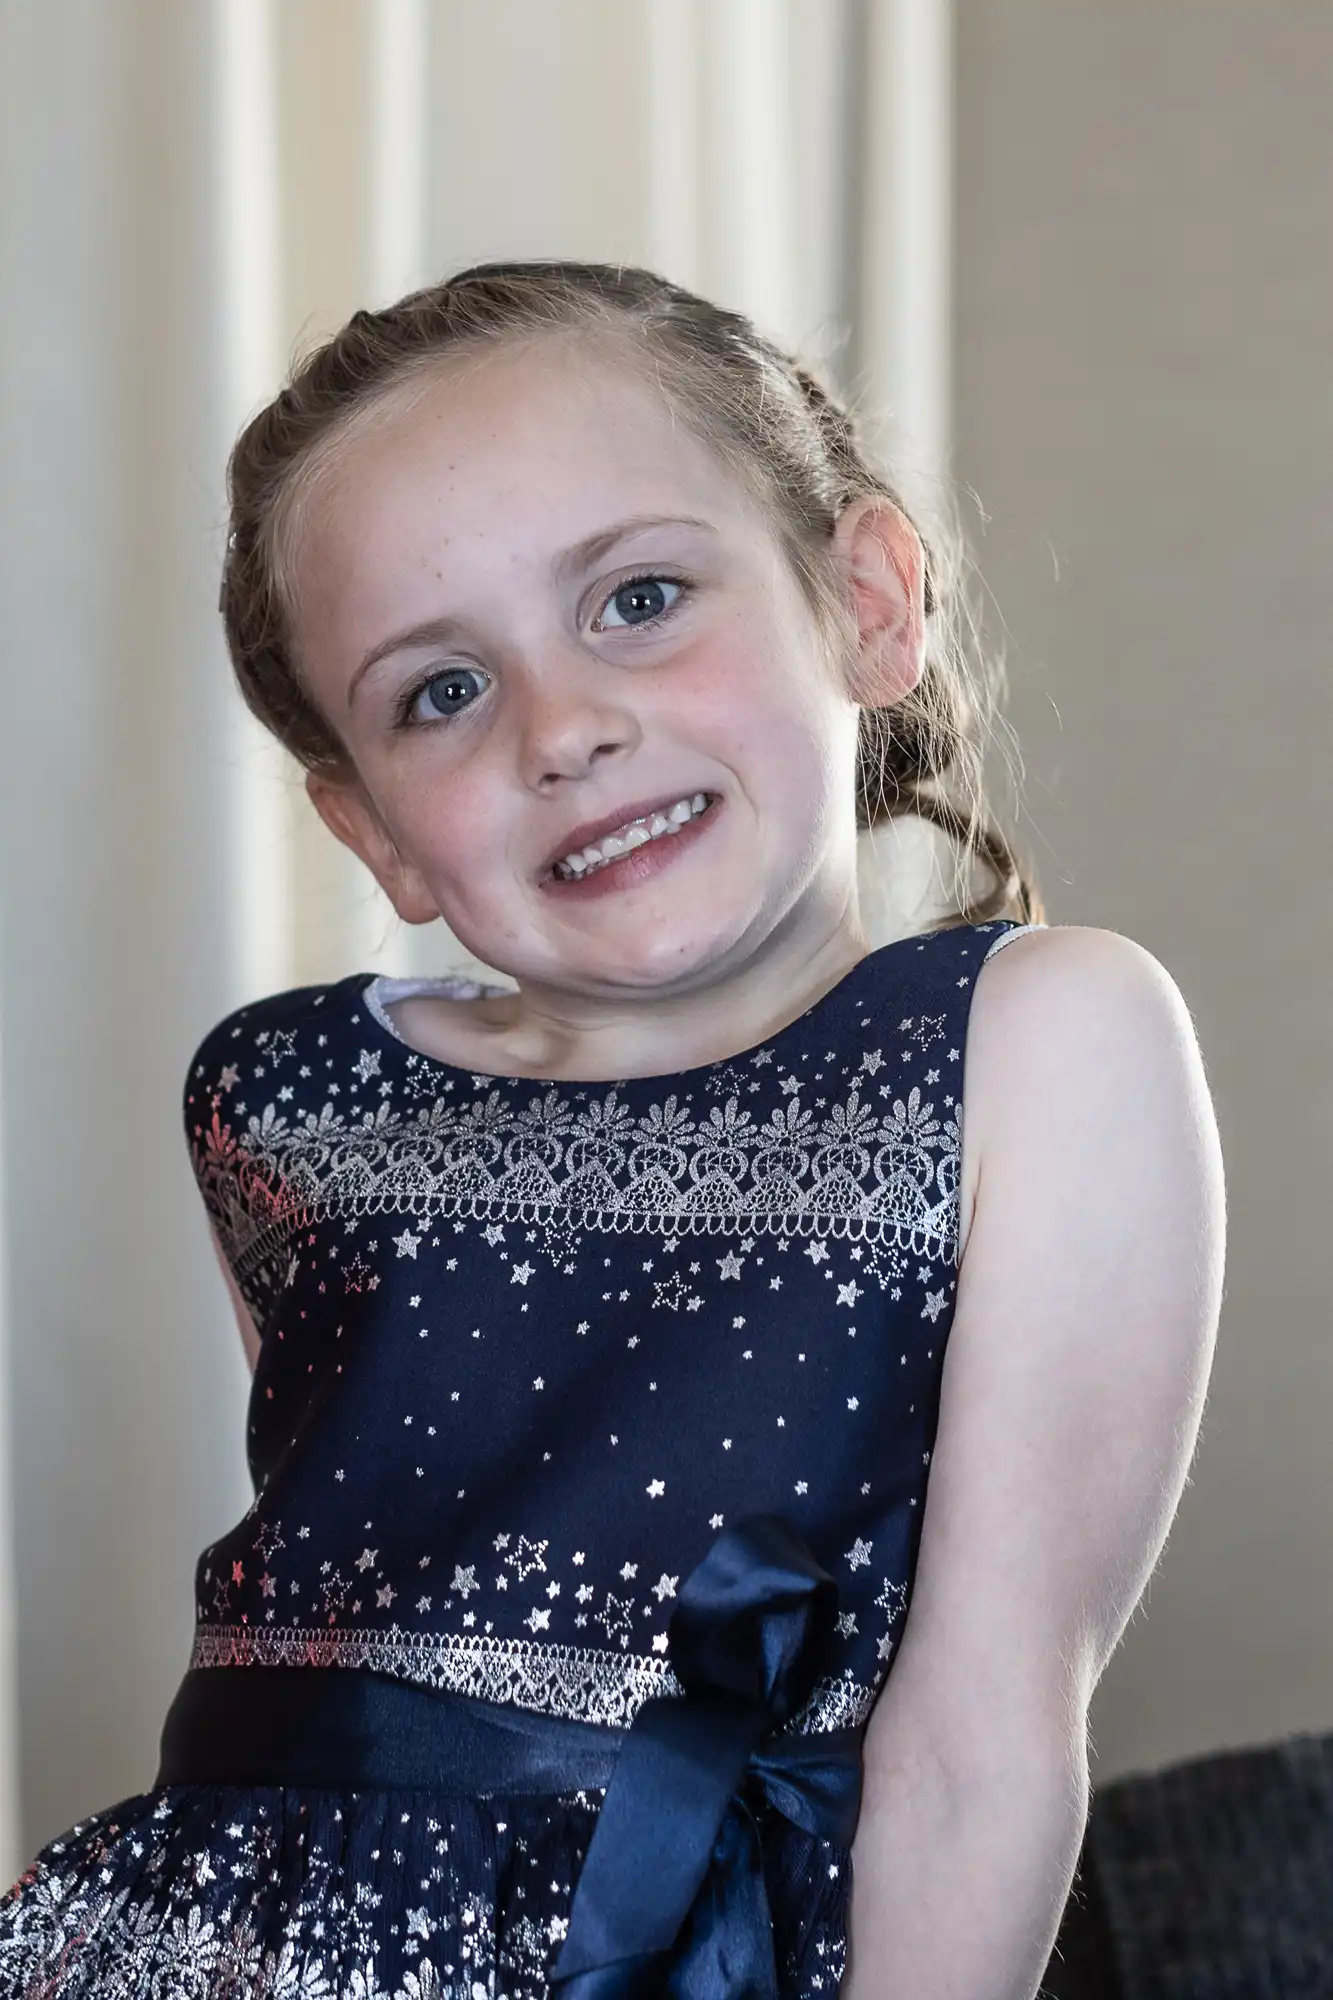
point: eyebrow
(578, 556)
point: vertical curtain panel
(189, 197)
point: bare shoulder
(1064, 967)
(1061, 1015)
(1078, 1356)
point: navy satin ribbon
(670, 1900)
(671, 1897)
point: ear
(347, 812)
(885, 566)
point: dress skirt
(336, 1834)
(218, 1892)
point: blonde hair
(769, 418)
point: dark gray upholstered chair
(1209, 1880)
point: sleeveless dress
(527, 1349)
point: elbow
(1030, 1746)
(1040, 1770)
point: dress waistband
(350, 1727)
(672, 1883)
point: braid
(838, 433)
(906, 751)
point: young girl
(636, 1340)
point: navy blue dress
(527, 1348)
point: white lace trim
(384, 992)
(581, 1684)
(1007, 937)
(856, 1168)
(578, 1159)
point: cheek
(444, 821)
(773, 718)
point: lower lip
(637, 864)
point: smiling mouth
(635, 833)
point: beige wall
(1144, 287)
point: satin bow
(671, 1903)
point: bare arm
(1073, 1387)
(249, 1335)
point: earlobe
(351, 818)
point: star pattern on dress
(893, 1599)
(617, 1616)
(582, 1259)
(526, 1556)
(268, 1540)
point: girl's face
(533, 607)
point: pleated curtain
(188, 196)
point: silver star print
(893, 1599)
(526, 1555)
(617, 1615)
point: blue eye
(639, 599)
(448, 692)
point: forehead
(521, 449)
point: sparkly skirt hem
(215, 1892)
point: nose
(573, 711)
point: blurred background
(1075, 255)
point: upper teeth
(633, 834)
